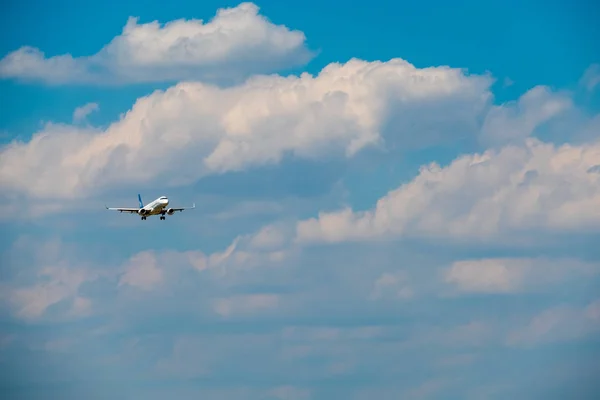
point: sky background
(393, 200)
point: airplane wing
(183, 208)
(129, 210)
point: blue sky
(392, 200)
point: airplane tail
(140, 200)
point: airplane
(155, 207)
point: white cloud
(82, 112)
(517, 120)
(142, 271)
(508, 275)
(247, 252)
(187, 360)
(40, 274)
(560, 323)
(51, 277)
(269, 237)
(245, 304)
(196, 129)
(311, 338)
(480, 196)
(149, 269)
(235, 43)
(484, 275)
(82, 306)
(394, 285)
(31, 302)
(591, 77)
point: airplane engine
(170, 211)
(142, 211)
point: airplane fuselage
(155, 207)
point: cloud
(245, 254)
(220, 299)
(392, 285)
(31, 302)
(82, 306)
(484, 276)
(188, 359)
(142, 272)
(40, 274)
(480, 197)
(82, 112)
(237, 42)
(244, 304)
(306, 319)
(517, 120)
(591, 77)
(561, 323)
(196, 129)
(510, 275)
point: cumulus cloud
(268, 246)
(31, 302)
(509, 275)
(142, 272)
(245, 304)
(237, 42)
(311, 333)
(480, 196)
(82, 306)
(561, 323)
(38, 275)
(591, 77)
(517, 120)
(82, 112)
(188, 359)
(195, 129)
(394, 285)
(41, 275)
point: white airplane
(156, 207)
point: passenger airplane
(156, 207)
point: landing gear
(143, 218)
(162, 217)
